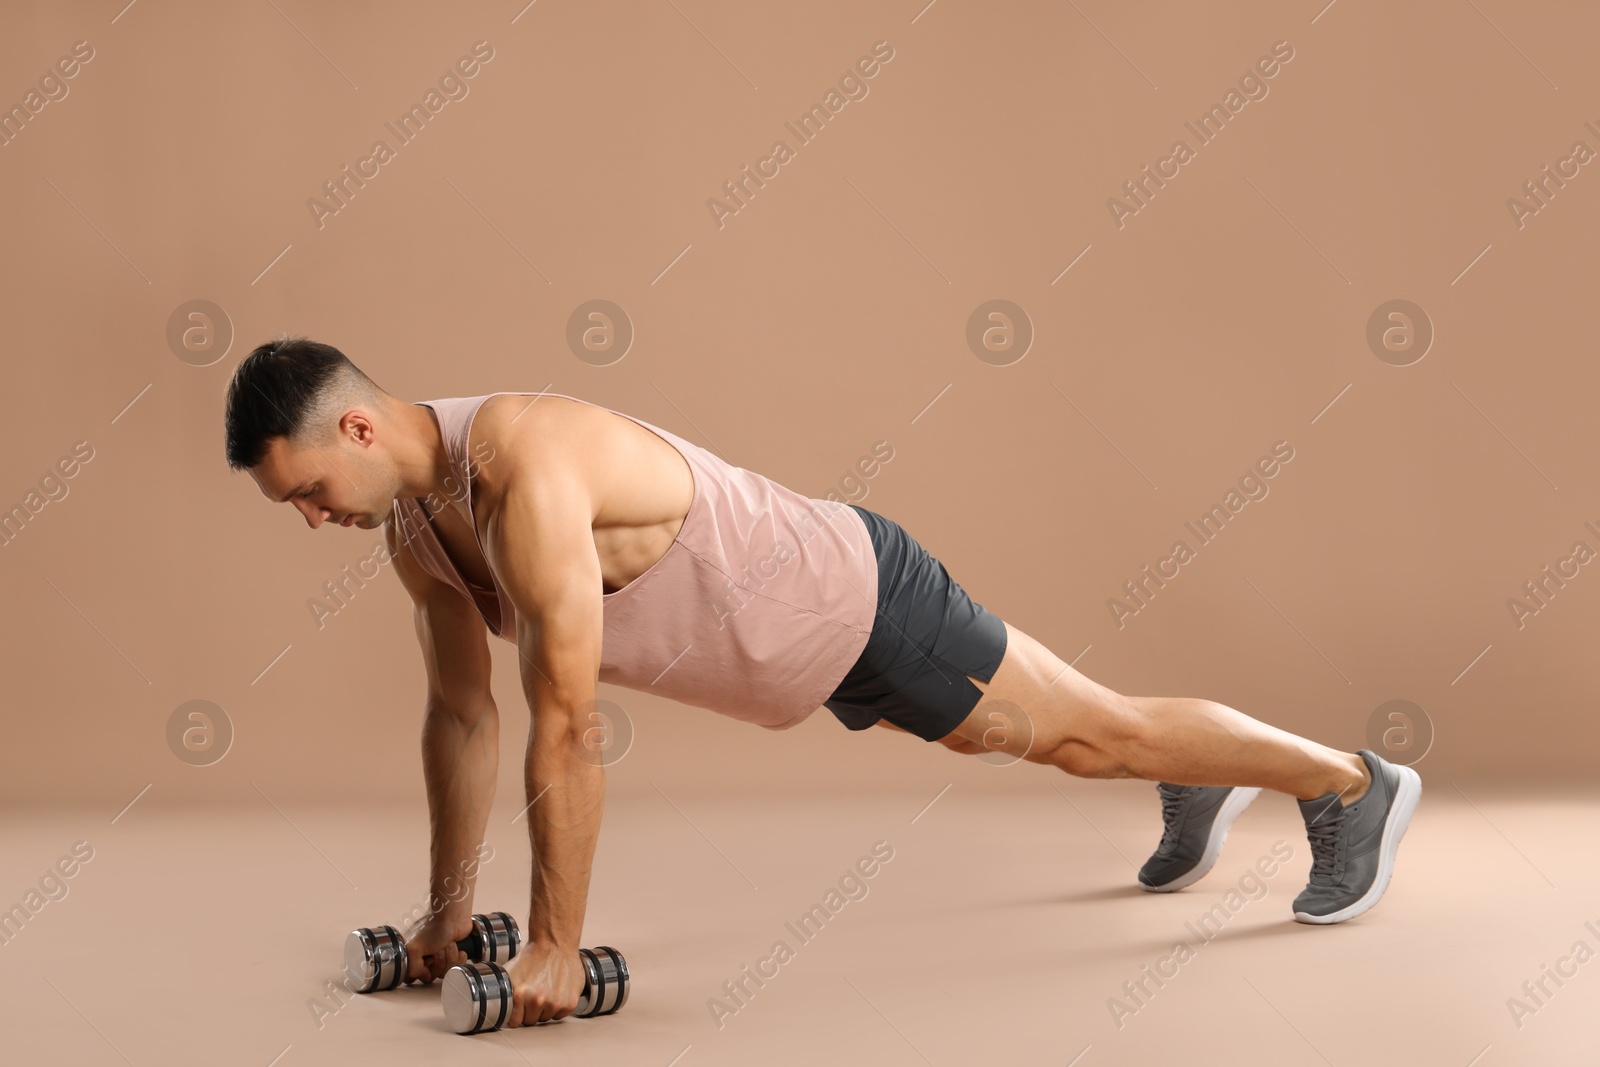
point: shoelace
(1327, 847)
(1171, 807)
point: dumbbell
(375, 957)
(477, 996)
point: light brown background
(822, 318)
(827, 315)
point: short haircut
(292, 388)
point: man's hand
(432, 950)
(546, 983)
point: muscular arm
(460, 733)
(541, 545)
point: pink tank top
(756, 611)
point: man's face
(345, 481)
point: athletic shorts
(927, 636)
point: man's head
(314, 431)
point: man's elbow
(574, 722)
(467, 711)
(563, 712)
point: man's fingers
(429, 966)
(527, 1009)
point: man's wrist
(450, 909)
(547, 929)
(550, 945)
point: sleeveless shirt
(756, 611)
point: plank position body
(611, 550)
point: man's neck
(423, 463)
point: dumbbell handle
(473, 944)
(375, 958)
(477, 996)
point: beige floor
(999, 932)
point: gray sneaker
(1353, 845)
(1197, 818)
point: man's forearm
(460, 758)
(567, 797)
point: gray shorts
(927, 636)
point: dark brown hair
(283, 389)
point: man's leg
(1090, 731)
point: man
(608, 549)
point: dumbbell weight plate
(476, 997)
(374, 958)
(607, 976)
(495, 938)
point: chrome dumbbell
(375, 957)
(477, 996)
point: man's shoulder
(533, 440)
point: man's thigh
(1035, 703)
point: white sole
(1231, 809)
(1408, 792)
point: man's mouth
(347, 520)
